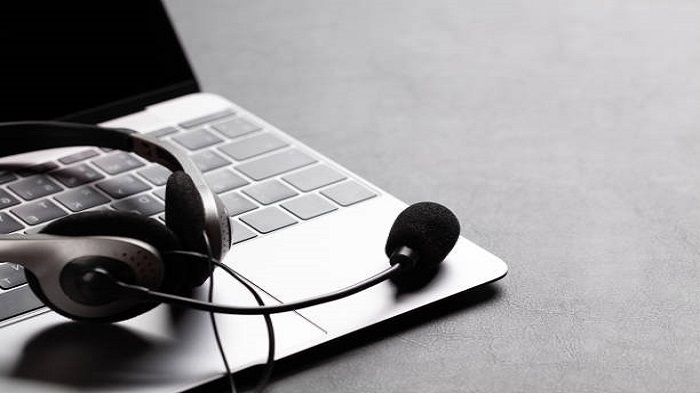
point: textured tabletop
(565, 136)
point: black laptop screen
(87, 60)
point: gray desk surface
(566, 137)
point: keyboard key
(11, 275)
(35, 187)
(156, 174)
(348, 193)
(314, 177)
(269, 192)
(268, 219)
(123, 186)
(208, 160)
(198, 139)
(309, 206)
(224, 180)
(36, 169)
(7, 176)
(206, 118)
(145, 204)
(162, 132)
(240, 232)
(160, 193)
(34, 230)
(7, 200)
(38, 212)
(236, 127)
(253, 146)
(275, 164)
(236, 204)
(79, 156)
(81, 199)
(17, 302)
(9, 224)
(77, 175)
(118, 162)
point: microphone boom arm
(143, 293)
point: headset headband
(27, 136)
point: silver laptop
(291, 209)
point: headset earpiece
(108, 238)
(122, 225)
(184, 215)
(132, 226)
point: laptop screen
(87, 60)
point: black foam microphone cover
(428, 229)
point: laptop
(291, 209)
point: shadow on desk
(80, 355)
(319, 355)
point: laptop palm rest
(346, 247)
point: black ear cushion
(184, 215)
(129, 225)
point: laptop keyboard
(265, 181)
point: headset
(109, 266)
